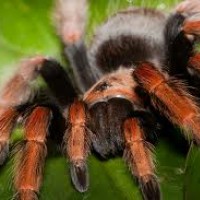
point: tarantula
(130, 76)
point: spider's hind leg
(70, 22)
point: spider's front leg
(120, 123)
(18, 99)
(138, 156)
(170, 97)
(77, 145)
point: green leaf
(192, 175)
(26, 29)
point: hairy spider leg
(77, 145)
(178, 47)
(18, 92)
(194, 63)
(70, 22)
(70, 19)
(8, 117)
(170, 97)
(58, 82)
(30, 157)
(192, 27)
(138, 155)
(190, 10)
(188, 6)
(111, 101)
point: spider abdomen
(129, 37)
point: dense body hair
(142, 35)
(130, 37)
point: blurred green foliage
(26, 29)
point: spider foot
(149, 187)
(26, 195)
(139, 159)
(76, 145)
(79, 176)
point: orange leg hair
(76, 142)
(171, 98)
(192, 28)
(190, 9)
(17, 91)
(138, 156)
(31, 156)
(8, 118)
(194, 63)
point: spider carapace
(132, 72)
